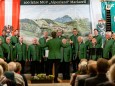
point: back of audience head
(83, 67)
(112, 60)
(92, 67)
(11, 66)
(112, 73)
(1, 71)
(18, 67)
(4, 66)
(102, 66)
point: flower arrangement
(43, 77)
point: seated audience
(18, 78)
(91, 73)
(18, 70)
(82, 72)
(102, 68)
(111, 77)
(4, 80)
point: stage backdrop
(32, 17)
(38, 16)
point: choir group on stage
(62, 51)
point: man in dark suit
(102, 67)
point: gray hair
(12, 66)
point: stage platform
(52, 84)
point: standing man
(74, 46)
(21, 53)
(1, 49)
(88, 43)
(113, 46)
(42, 41)
(7, 50)
(59, 34)
(34, 57)
(54, 45)
(81, 50)
(98, 38)
(14, 40)
(65, 61)
(3, 37)
(107, 46)
(95, 51)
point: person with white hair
(3, 80)
(18, 78)
(21, 53)
(34, 57)
(8, 50)
(107, 46)
(81, 49)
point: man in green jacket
(1, 49)
(74, 45)
(66, 55)
(3, 37)
(54, 45)
(113, 46)
(88, 43)
(95, 51)
(21, 53)
(14, 40)
(34, 57)
(98, 38)
(107, 46)
(7, 50)
(81, 49)
(42, 41)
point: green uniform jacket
(107, 48)
(3, 39)
(88, 43)
(113, 49)
(14, 40)
(34, 52)
(54, 47)
(99, 40)
(42, 41)
(96, 56)
(81, 51)
(1, 52)
(74, 46)
(8, 48)
(66, 54)
(21, 52)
